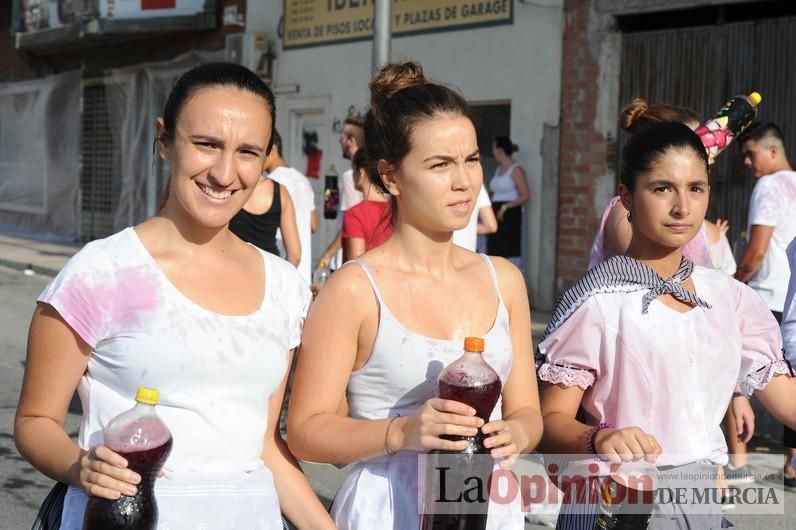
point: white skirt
(383, 493)
(202, 501)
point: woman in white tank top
(384, 326)
(509, 189)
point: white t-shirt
(789, 312)
(349, 194)
(215, 374)
(468, 236)
(300, 190)
(773, 203)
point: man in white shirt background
(772, 223)
(771, 228)
(300, 190)
(352, 138)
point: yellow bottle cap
(475, 344)
(147, 396)
(755, 98)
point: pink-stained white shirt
(671, 374)
(215, 372)
(773, 203)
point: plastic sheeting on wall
(136, 97)
(40, 157)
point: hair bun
(392, 78)
(633, 113)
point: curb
(38, 269)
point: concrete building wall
(518, 64)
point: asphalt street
(23, 488)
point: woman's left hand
(744, 418)
(501, 442)
(500, 213)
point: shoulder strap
(371, 279)
(493, 274)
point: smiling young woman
(180, 304)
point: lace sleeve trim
(759, 377)
(566, 375)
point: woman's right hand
(104, 473)
(437, 417)
(626, 445)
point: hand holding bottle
(501, 443)
(136, 445)
(104, 473)
(423, 430)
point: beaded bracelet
(593, 434)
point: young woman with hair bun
(650, 347)
(387, 323)
(708, 248)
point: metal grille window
(100, 165)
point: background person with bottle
(181, 304)
(352, 138)
(384, 326)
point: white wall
(518, 63)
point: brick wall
(586, 154)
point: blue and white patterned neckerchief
(623, 274)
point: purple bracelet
(593, 434)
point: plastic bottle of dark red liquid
(142, 438)
(628, 498)
(331, 194)
(470, 380)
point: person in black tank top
(259, 229)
